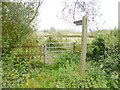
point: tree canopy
(16, 21)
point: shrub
(107, 61)
(96, 50)
(13, 70)
(111, 66)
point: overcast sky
(50, 13)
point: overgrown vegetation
(18, 72)
(101, 71)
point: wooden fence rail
(28, 54)
(49, 47)
(73, 36)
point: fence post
(29, 52)
(45, 53)
(73, 46)
(83, 46)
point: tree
(16, 22)
(76, 8)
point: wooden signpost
(83, 22)
(119, 15)
(118, 36)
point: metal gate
(57, 48)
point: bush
(96, 50)
(107, 61)
(14, 28)
(104, 44)
(111, 66)
(13, 70)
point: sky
(50, 15)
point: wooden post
(29, 52)
(74, 47)
(119, 15)
(45, 53)
(83, 46)
(119, 39)
(118, 26)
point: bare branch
(36, 11)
